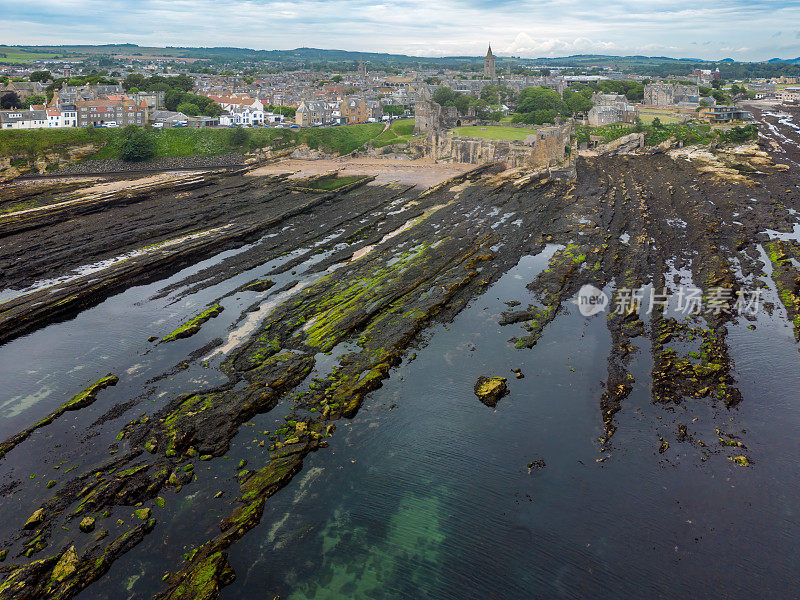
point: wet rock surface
(393, 261)
(490, 390)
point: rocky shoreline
(397, 261)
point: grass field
(400, 132)
(666, 117)
(15, 56)
(343, 139)
(494, 132)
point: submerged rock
(87, 525)
(489, 390)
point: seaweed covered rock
(489, 390)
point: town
(117, 91)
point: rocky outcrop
(489, 390)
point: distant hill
(340, 59)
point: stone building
(667, 94)
(489, 65)
(431, 118)
(610, 108)
(93, 113)
(354, 110)
(313, 112)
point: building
(431, 118)
(313, 112)
(610, 108)
(23, 119)
(788, 97)
(705, 75)
(23, 89)
(72, 94)
(362, 68)
(668, 94)
(243, 116)
(354, 110)
(97, 113)
(489, 65)
(235, 101)
(168, 118)
(723, 114)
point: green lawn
(400, 132)
(494, 132)
(666, 118)
(343, 139)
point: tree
(489, 94)
(481, 107)
(189, 109)
(137, 145)
(393, 109)
(657, 123)
(172, 98)
(536, 117)
(445, 96)
(34, 99)
(462, 103)
(721, 97)
(134, 80)
(577, 102)
(336, 78)
(540, 98)
(10, 100)
(158, 87)
(41, 76)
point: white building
(23, 119)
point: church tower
(362, 68)
(488, 65)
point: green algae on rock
(489, 390)
(85, 398)
(192, 326)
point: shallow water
(427, 493)
(433, 498)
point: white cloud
(417, 27)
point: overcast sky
(743, 30)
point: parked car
(111, 124)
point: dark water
(433, 499)
(427, 494)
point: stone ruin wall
(547, 149)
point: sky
(742, 30)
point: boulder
(489, 390)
